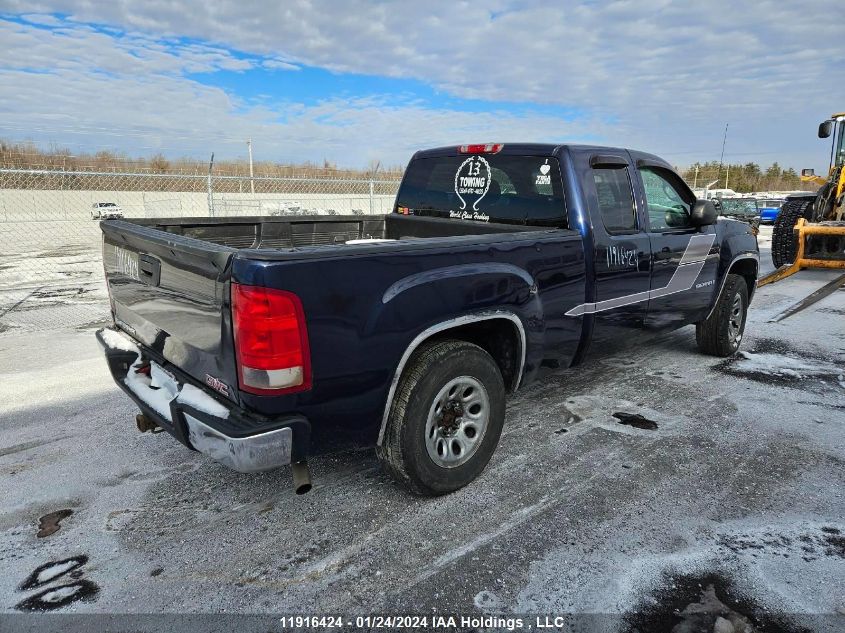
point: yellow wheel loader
(809, 231)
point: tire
(721, 333)
(784, 242)
(434, 442)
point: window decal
(472, 179)
(544, 177)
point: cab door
(685, 257)
(621, 250)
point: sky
(353, 82)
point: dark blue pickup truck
(239, 336)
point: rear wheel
(784, 242)
(446, 418)
(721, 333)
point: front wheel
(446, 418)
(721, 333)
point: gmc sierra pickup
(238, 336)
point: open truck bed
(314, 230)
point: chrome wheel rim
(735, 320)
(457, 421)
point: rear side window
(486, 188)
(616, 200)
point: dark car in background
(745, 209)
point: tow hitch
(144, 424)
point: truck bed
(169, 281)
(313, 230)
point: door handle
(149, 268)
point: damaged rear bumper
(242, 441)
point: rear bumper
(244, 442)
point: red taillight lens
(489, 148)
(271, 342)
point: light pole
(251, 182)
(210, 189)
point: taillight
(489, 148)
(271, 341)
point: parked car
(498, 264)
(769, 210)
(105, 211)
(745, 209)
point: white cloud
(170, 114)
(88, 89)
(666, 75)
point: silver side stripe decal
(683, 279)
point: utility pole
(727, 175)
(722, 157)
(251, 182)
(695, 181)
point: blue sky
(355, 81)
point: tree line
(744, 178)
(30, 156)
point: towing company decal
(466, 215)
(683, 278)
(472, 180)
(544, 177)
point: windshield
(839, 158)
(739, 206)
(485, 188)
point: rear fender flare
(444, 326)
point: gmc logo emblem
(217, 384)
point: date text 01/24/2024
(442, 622)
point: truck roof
(539, 149)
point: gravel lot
(741, 487)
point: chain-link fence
(50, 241)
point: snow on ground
(627, 487)
(781, 365)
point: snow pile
(157, 399)
(158, 388)
(115, 339)
(368, 241)
(778, 365)
(201, 401)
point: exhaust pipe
(301, 477)
(144, 424)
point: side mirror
(808, 172)
(703, 213)
(825, 128)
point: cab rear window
(485, 188)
